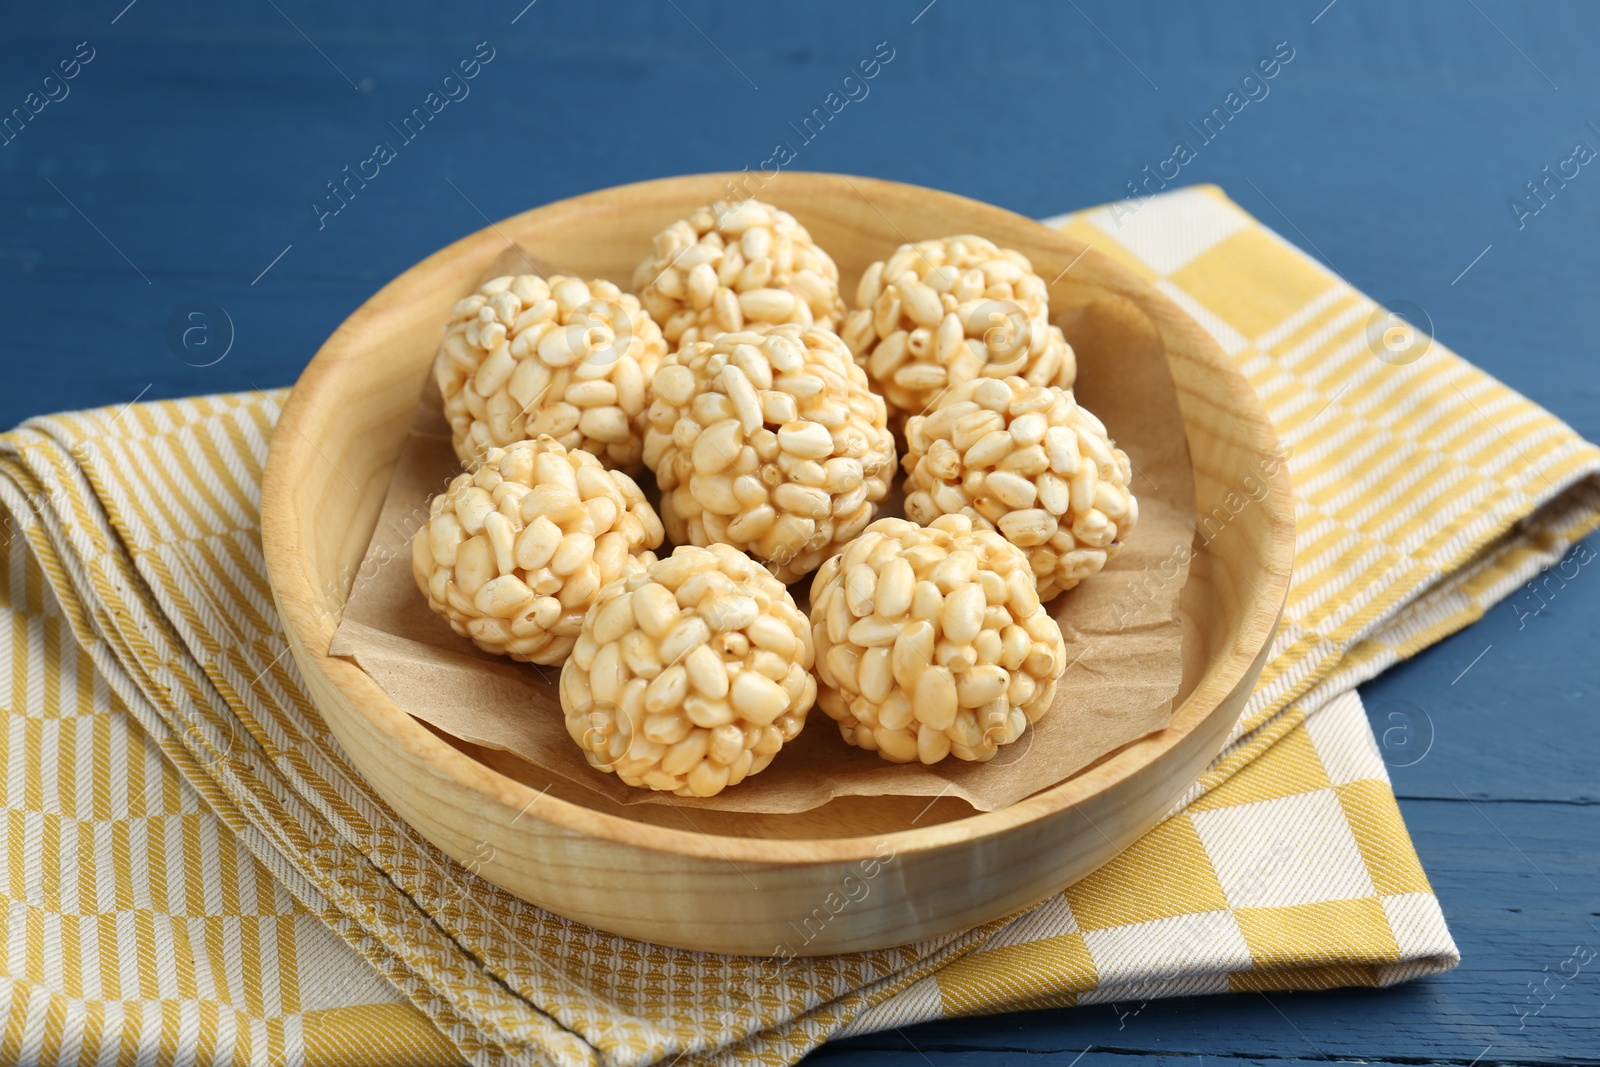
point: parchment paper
(1123, 636)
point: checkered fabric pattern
(193, 871)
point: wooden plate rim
(310, 630)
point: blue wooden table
(186, 168)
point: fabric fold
(206, 875)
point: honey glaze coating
(526, 356)
(942, 312)
(733, 265)
(1031, 462)
(514, 552)
(771, 442)
(931, 641)
(689, 674)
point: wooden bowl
(722, 881)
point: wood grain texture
(726, 885)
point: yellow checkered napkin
(192, 870)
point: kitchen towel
(192, 870)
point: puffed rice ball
(690, 674)
(514, 552)
(1033, 463)
(931, 641)
(523, 356)
(734, 264)
(770, 442)
(942, 312)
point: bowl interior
(381, 356)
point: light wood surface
(722, 881)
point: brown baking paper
(1123, 635)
